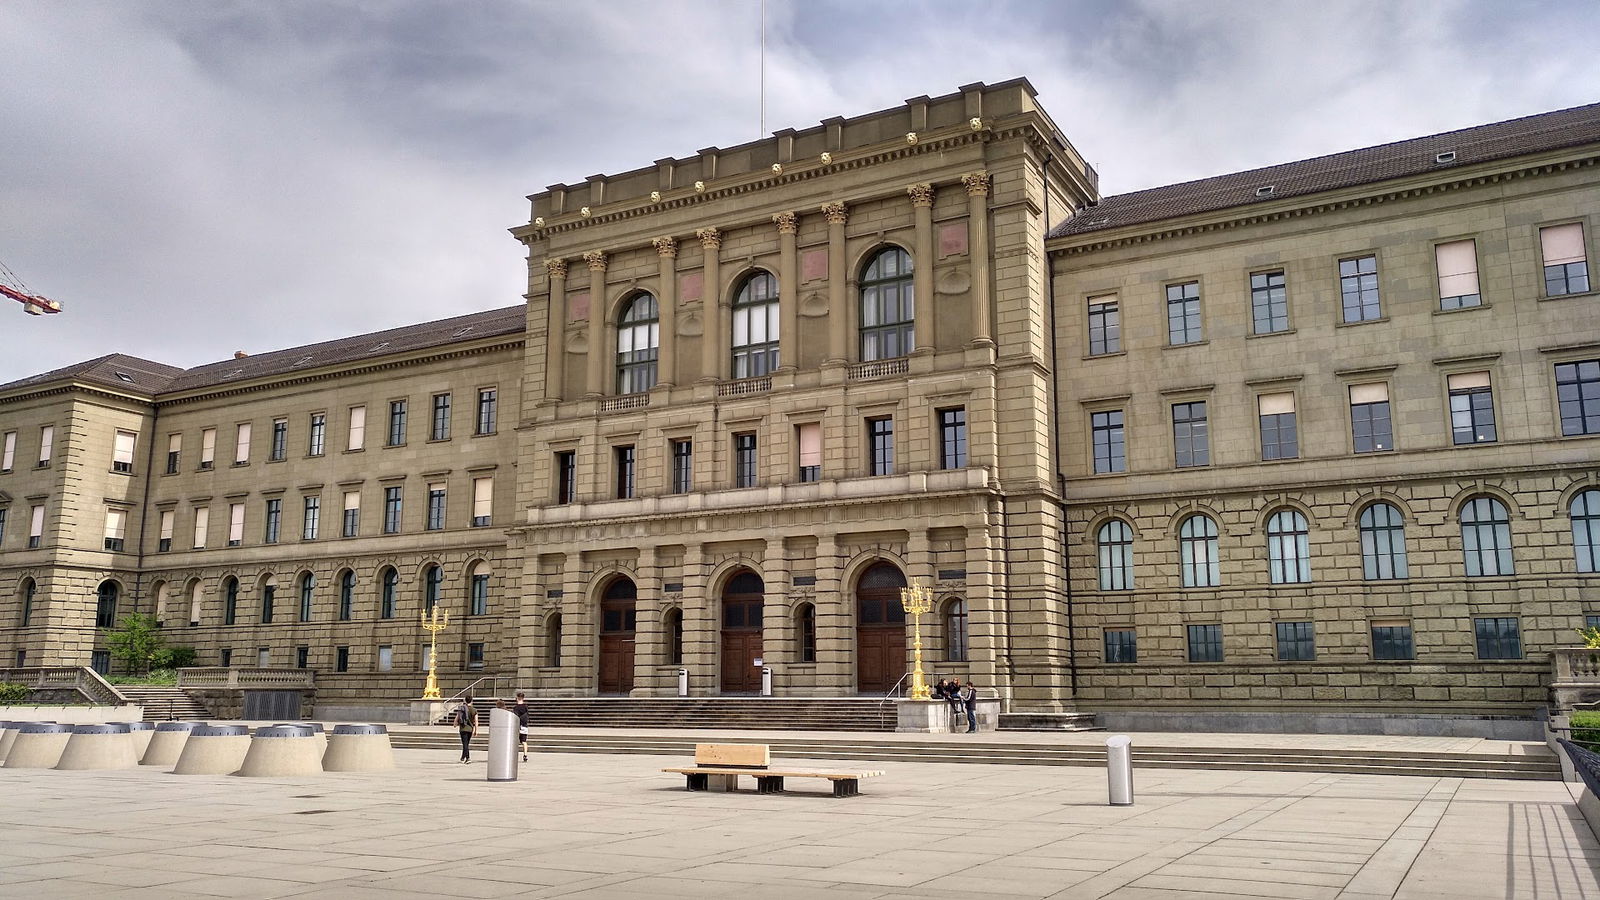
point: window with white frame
(235, 524)
(1458, 274)
(47, 444)
(1566, 265)
(755, 326)
(116, 529)
(356, 438)
(202, 524)
(482, 501)
(1288, 547)
(1471, 408)
(1486, 537)
(1115, 543)
(1371, 427)
(1199, 565)
(1585, 512)
(122, 452)
(1383, 543)
(208, 447)
(638, 344)
(1280, 437)
(241, 444)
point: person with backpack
(466, 716)
(969, 699)
(520, 710)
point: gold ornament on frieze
(777, 168)
(921, 194)
(911, 137)
(538, 221)
(827, 158)
(975, 123)
(596, 260)
(836, 212)
(710, 238)
(699, 187)
(655, 196)
(787, 222)
(976, 182)
(556, 268)
(584, 212)
(665, 246)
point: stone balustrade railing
(229, 678)
(82, 679)
(1575, 678)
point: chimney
(239, 354)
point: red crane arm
(32, 304)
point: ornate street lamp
(917, 599)
(434, 625)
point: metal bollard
(503, 727)
(683, 682)
(1119, 769)
(766, 681)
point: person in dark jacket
(466, 716)
(950, 692)
(520, 709)
(969, 699)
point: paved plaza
(604, 826)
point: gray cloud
(194, 178)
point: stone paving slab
(612, 827)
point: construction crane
(32, 304)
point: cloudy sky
(191, 177)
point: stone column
(788, 292)
(777, 645)
(648, 646)
(554, 342)
(699, 624)
(927, 335)
(838, 283)
(977, 184)
(836, 636)
(580, 638)
(713, 348)
(667, 304)
(919, 569)
(595, 386)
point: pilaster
(595, 385)
(927, 335)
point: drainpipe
(1055, 430)
(144, 504)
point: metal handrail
(469, 688)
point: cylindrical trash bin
(283, 750)
(213, 750)
(358, 748)
(683, 682)
(1119, 769)
(8, 733)
(38, 745)
(93, 747)
(503, 728)
(141, 732)
(167, 743)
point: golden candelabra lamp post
(917, 599)
(434, 624)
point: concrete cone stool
(358, 748)
(99, 747)
(213, 750)
(8, 733)
(283, 750)
(38, 746)
(167, 743)
(322, 734)
(141, 732)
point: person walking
(520, 710)
(466, 716)
(969, 699)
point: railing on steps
(82, 679)
(214, 677)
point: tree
(135, 641)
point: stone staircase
(764, 713)
(162, 703)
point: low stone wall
(73, 715)
(328, 712)
(1507, 728)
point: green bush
(1586, 730)
(175, 657)
(13, 693)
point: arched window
(1383, 543)
(478, 589)
(805, 627)
(230, 601)
(755, 326)
(432, 587)
(28, 589)
(955, 630)
(672, 624)
(269, 595)
(389, 594)
(1197, 545)
(1288, 547)
(347, 595)
(196, 593)
(1585, 511)
(105, 610)
(308, 590)
(888, 310)
(1116, 556)
(638, 337)
(161, 591)
(552, 640)
(1486, 537)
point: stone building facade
(1206, 447)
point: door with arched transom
(880, 628)
(618, 617)
(741, 633)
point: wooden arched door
(618, 617)
(880, 628)
(741, 633)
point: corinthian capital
(665, 246)
(787, 222)
(556, 268)
(710, 238)
(921, 194)
(596, 260)
(977, 183)
(837, 213)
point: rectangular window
(319, 435)
(274, 521)
(341, 659)
(1358, 283)
(744, 460)
(1183, 313)
(311, 518)
(566, 476)
(357, 439)
(474, 656)
(808, 438)
(1105, 326)
(208, 447)
(1122, 645)
(1205, 643)
(280, 440)
(1458, 274)
(169, 521)
(435, 507)
(488, 403)
(391, 510)
(682, 466)
(302, 657)
(241, 444)
(1498, 638)
(352, 513)
(1391, 639)
(122, 452)
(385, 659)
(227, 656)
(8, 451)
(2, 527)
(202, 524)
(35, 527)
(1371, 429)
(482, 502)
(1296, 642)
(174, 452)
(116, 529)
(397, 422)
(47, 444)
(624, 462)
(479, 595)
(953, 438)
(1110, 448)
(1279, 437)
(1578, 392)
(264, 656)
(441, 418)
(1471, 408)
(1566, 266)
(880, 446)
(1269, 302)
(1189, 438)
(1591, 620)
(235, 524)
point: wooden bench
(718, 767)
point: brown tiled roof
(125, 373)
(1483, 143)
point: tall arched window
(478, 589)
(230, 601)
(638, 337)
(162, 592)
(1585, 511)
(105, 610)
(388, 596)
(552, 640)
(955, 630)
(29, 589)
(1197, 546)
(1288, 547)
(1486, 537)
(672, 624)
(269, 595)
(1115, 539)
(806, 632)
(347, 595)
(196, 593)
(308, 590)
(1383, 543)
(888, 310)
(432, 587)
(755, 326)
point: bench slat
(748, 755)
(782, 773)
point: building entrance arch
(742, 598)
(880, 628)
(618, 617)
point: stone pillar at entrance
(649, 649)
(700, 633)
(836, 632)
(777, 639)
